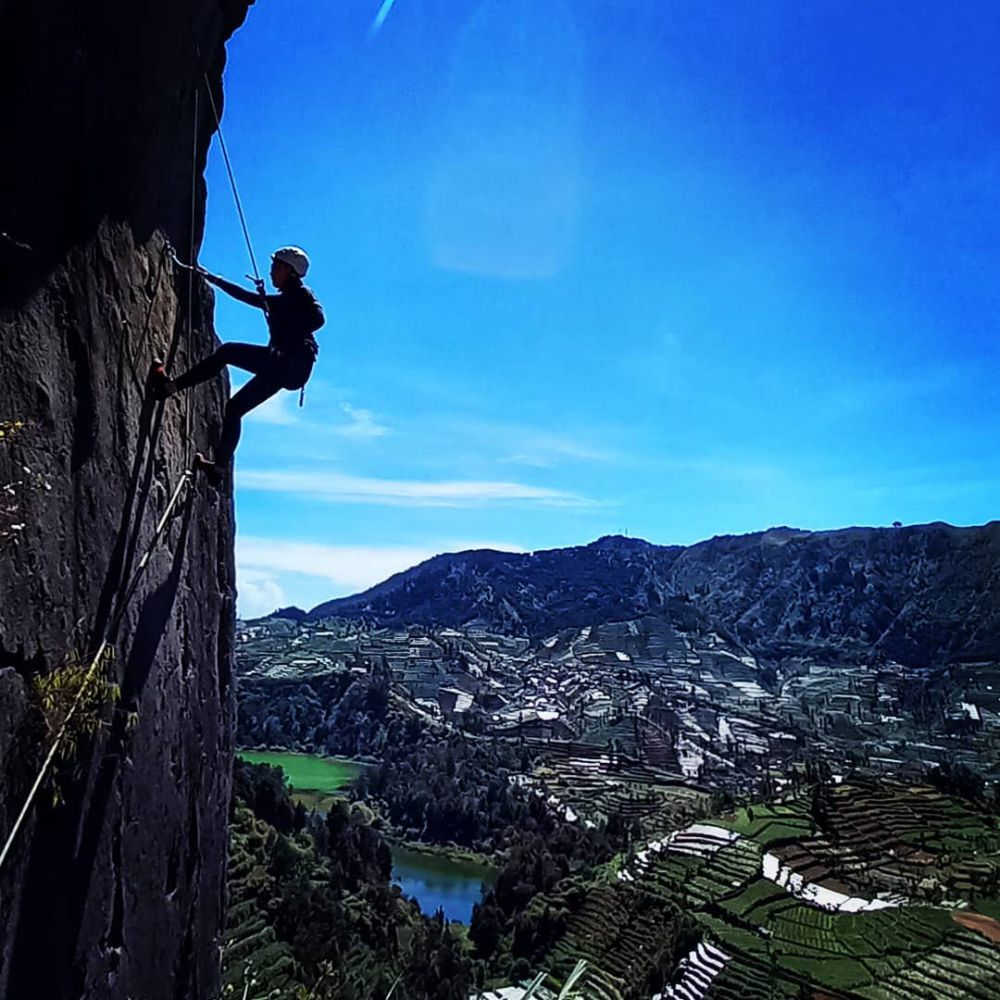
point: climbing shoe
(161, 386)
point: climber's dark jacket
(293, 315)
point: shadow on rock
(56, 895)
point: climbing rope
(95, 662)
(257, 279)
(188, 425)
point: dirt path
(978, 922)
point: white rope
(94, 663)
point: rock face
(923, 595)
(118, 891)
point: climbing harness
(95, 662)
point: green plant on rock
(71, 703)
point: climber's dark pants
(272, 371)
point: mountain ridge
(922, 594)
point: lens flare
(383, 13)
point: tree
(486, 927)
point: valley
(685, 805)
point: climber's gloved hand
(197, 268)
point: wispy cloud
(279, 409)
(261, 562)
(344, 488)
(363, 423)
(542, 450)
(520, 444)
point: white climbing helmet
(294, 257)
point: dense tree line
(345, 714)
(324, 892)
(959, 780)
(352, 934)
(540, 856)
(545, 882)
(453, 790)
(262, 788)
(545, 857)
(325, 886)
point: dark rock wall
(117, 891)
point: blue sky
(590, 266)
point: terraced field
(251, 949)
(596, 784)
(838, 894)
(621, 933)
(912, 841)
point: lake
(434, 881)
(437, 882)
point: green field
(313, 779)
(910, 844)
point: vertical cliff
(118, 890)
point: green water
(313, 779)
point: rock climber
(293, 316)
